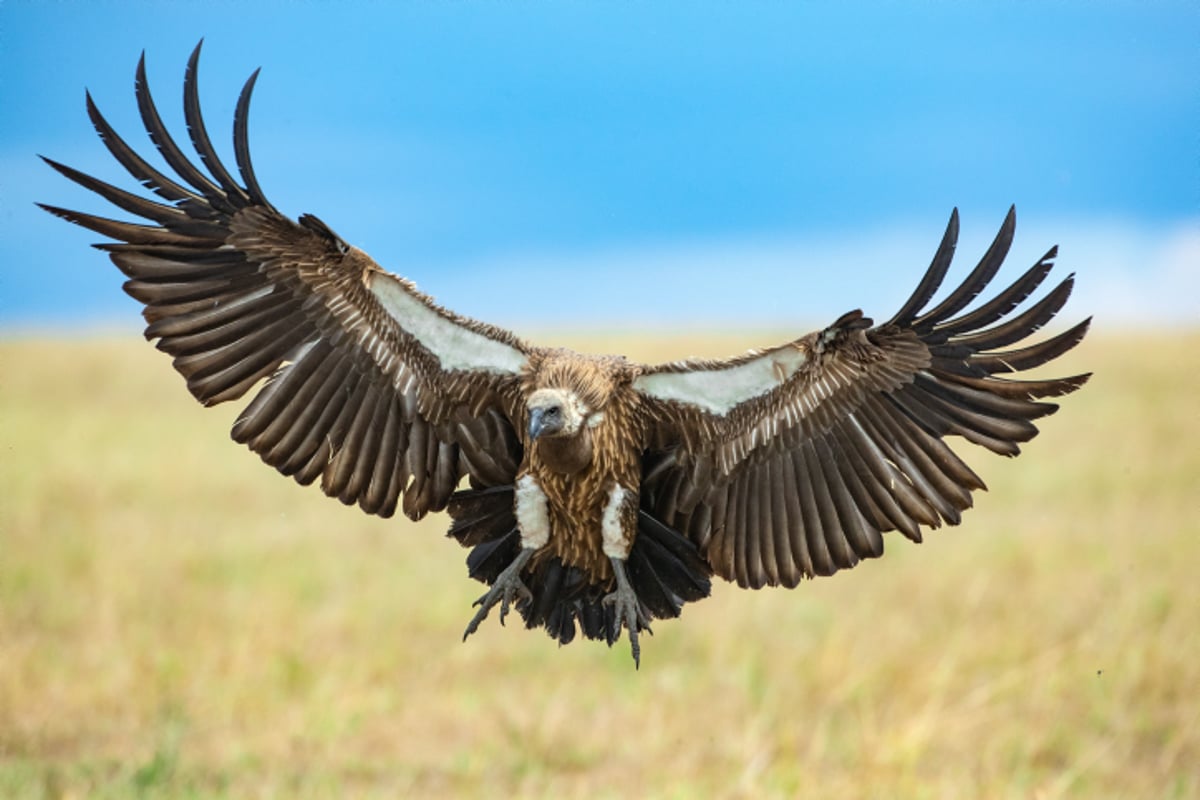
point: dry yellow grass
(177, 620)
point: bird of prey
(600, 493)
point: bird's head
(555, 413)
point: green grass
(176, 620)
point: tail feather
(665, 569)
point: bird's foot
(507, 589)
(629, 611)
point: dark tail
(665, 569)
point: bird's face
(555, 413)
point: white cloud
(1130, 276)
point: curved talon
(505, 595)
(628, 610)
(507, 588)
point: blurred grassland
(176, 620)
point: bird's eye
(553, 411)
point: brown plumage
(600, 493)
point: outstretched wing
(791, 462)
(370, 386)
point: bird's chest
(579, 506)
(565, 456)
(575, 504)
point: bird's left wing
(791, 462)
(369, 385)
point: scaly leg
(533, 520)
(628, 609)
(507, 588)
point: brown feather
(385, 462)
(784, 568)
(292, 432)
(796, 537)
(863, 541)
(879, 481)
(761, 550)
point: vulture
(600, 494)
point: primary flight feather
(601, 493)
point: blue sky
(646, 164)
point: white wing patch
(456, 346)
(718, 391)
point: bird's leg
(507, 588)
(628, 609)
(533, 520)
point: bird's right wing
(370, 386)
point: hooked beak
(537, 422)
(545, 422)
